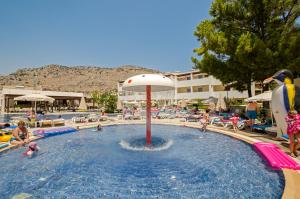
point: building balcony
(205, 95)
(199, 82)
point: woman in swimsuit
(21, 134)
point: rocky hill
(78, 79)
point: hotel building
(189, 86)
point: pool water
(8, 117)
(91, 164)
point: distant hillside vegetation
(77, 79)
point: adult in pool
(21, 134)
(99, 127)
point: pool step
(275, 156)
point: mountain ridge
(85, 79)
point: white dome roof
(157, 82)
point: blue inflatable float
(53, 132)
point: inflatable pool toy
(5, 136)
(3, 145)
(276, 158)
(285, 97)
(53, 132)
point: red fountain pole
(148, 115)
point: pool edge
(291, 177)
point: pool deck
(292, 177)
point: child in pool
(32, 149)
(293, 130)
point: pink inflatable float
(275, 156)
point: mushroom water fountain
(148, 83)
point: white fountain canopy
(157, 82)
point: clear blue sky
(156, 34)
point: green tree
(95, 95)
(108, 100)
(248, 40)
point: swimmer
(32, 149)
(99, 127)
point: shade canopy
(263, 97)
(157, 82)
(210, 100)
(82, 105)
(35, 98)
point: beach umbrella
(263, 97)
(35, 98)
(82, 105)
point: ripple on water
(114, 164)
(139, 144)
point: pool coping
(291, 177)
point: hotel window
(183, 77)
(184, 90)
(218, 88)
(200, 88)
(199, 76)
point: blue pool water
(91, 164)
(8, 117)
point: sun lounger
(285, 136)
(128, 117)
(103, 118)
(45, 123)
(31, 124)
(78, 119)
(137, 116)
(58, 122)
(93, 118)
(260, 127)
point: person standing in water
(99, 127)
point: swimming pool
(91, 164)
(68, 116)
